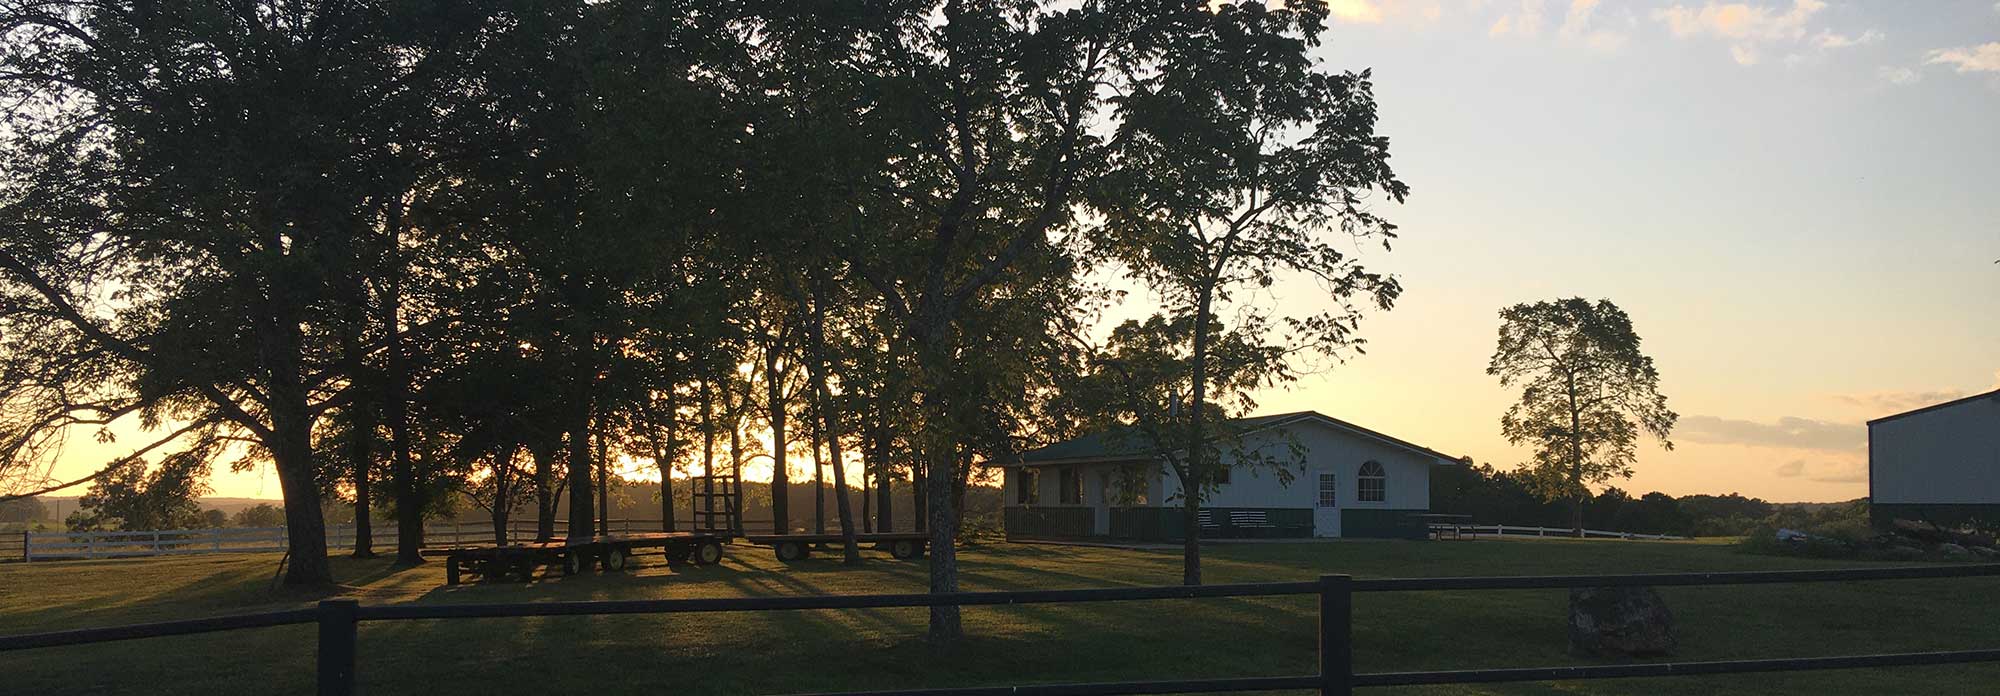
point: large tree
(1240, 164)
(1587, 393)
(184, 179)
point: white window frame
(1380, 478)
(1329, 490)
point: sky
(1798, 203)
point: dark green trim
(1977, 515)
(1382, 523)
(1166, 524)
(1049, 522)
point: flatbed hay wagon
(611, 552)
(792, 547)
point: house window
(1329, 490)
(1029, 480)
(1069, 485)
(1373, 483)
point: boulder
(1984, 551)
(1619, 622)
(1952, 550)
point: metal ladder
(717, 505)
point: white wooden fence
(39, 546)
(1518, 530)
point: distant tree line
(1493, 496)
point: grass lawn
(781, 652)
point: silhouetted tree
(1587, 392)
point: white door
(1326, 508)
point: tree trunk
(867, 490)
(504, 484)
(603, 480)
(583, 519)
(819, 473)
(362, 453)
(885, 509)
(662, 459)
(545, 490)
(830, 425)
(920, 502)
(707, 456)
(403, 468)
(945, 626)
(736, 469)
(279, 343)
(939, 444)
(1576, 457)
(1576, 516)
(360, 438)
(774, 402)
(1193, 482)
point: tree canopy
(416, 256)
(1587, 393)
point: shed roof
(1120, 444)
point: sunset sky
(1797, 202)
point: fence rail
(338, 621)
(42, 546)
(1518, 530)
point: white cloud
(1576, 26)
(1753, 30)
(1525, 22)
(1531, 16)
(1740, 21)
(1792, 469)
(1828, 39)
(1883, 403)
(1898, 75)
(1789, 432)
(1355, 11)
(1981, 58)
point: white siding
(1325, 448)
(1948, 455)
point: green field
(770, 653)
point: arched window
(1373, 482)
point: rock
(1619, 622)
(1952, 550)
(1984, 551)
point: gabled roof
(1124, 443)
(1995, 394)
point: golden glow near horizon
(1794, 200)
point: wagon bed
(610, 552)
(792, 547)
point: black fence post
(337, 623)
(1336, 635)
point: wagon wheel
(789, 551)
(707, 553)
(572, 562)
(904, 548)
(614, 559)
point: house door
(1326, 508)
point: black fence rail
(338, 622)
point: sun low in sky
(1797, 202)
